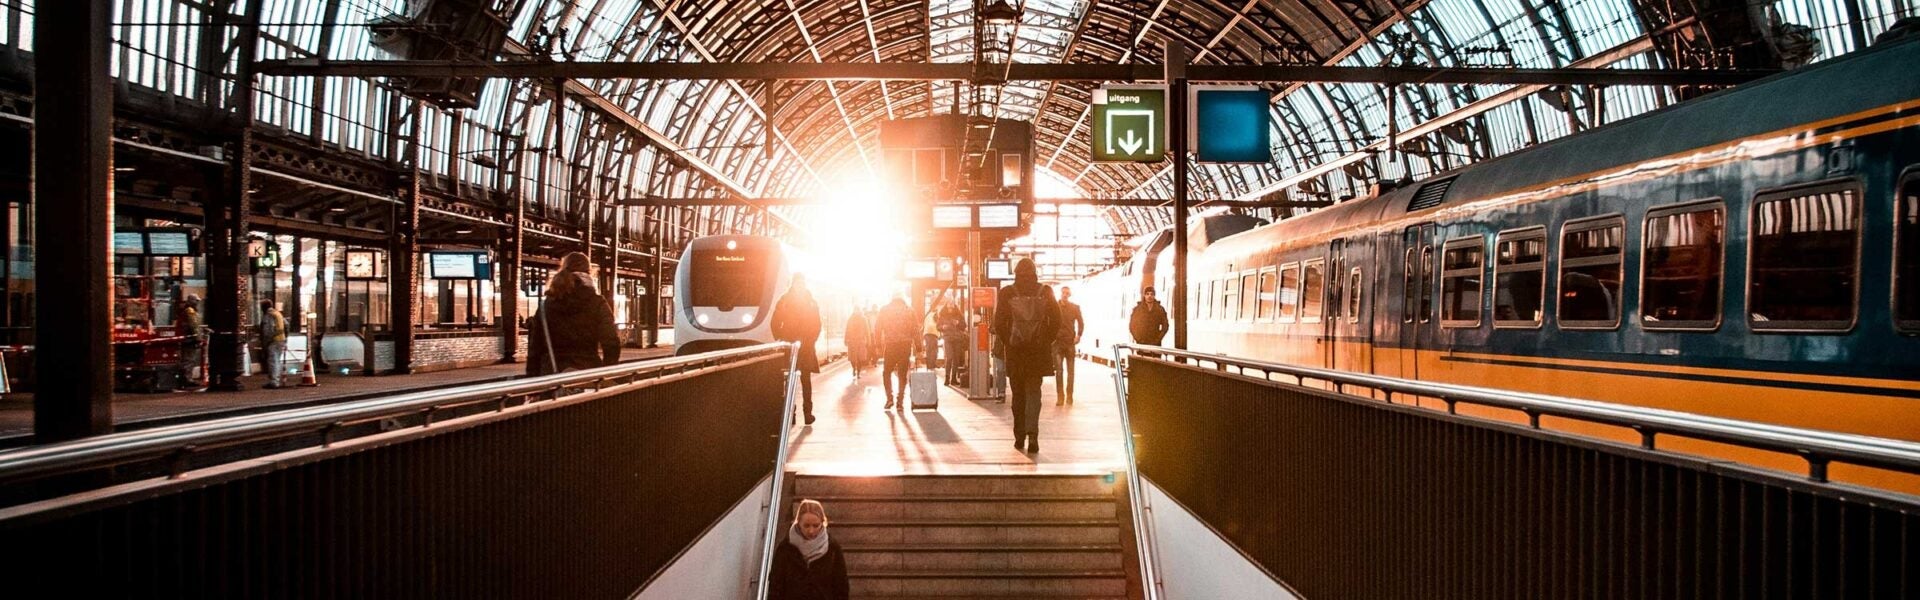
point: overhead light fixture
(463, 230)
(999, 14)
(123, 169)
(339, 208)
(484, 160)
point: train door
(1416, 299)
(1336, 316)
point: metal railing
(1143, 534)
(587, 483)
(1818, 448)
(771, 539)
(177, 444)
(1355, 485)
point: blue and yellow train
(1753, 254)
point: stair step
(947, 508)
(983, 548)
(1019, 584)
(1000, 486)
(983, 563)
(1068, 533)
(1021, 597)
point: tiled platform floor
(854, 436)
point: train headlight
(733, 245)
(746, 317)
(701, 318)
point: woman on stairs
(808, 566)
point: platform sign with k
(1130, 124)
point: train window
(1519, 278)
(1805, 259)
(1353, 296)
(1313, 281)
(1682, 260)
(1268, 279)
(1410, 283)
(1906, 259)
(1249, 295)
(1230, 298)
(1590, 257)
(1426, 284)
(1289, 292)
(1463, 267)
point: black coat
(796, 318)
(1036, 360)
(579, 326)
(1148, 324)
(793, 578)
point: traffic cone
(307, 377)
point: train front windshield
(726, 279)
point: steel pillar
(512, 236)
(403, 245)
(73, 196)
(1177, 146)
(228, 282)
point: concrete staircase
(970, 536)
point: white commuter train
(725, 289)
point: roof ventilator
(1430, 195)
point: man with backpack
(899, 331)
(1027, 319)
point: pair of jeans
(1026, 407)
(956, 357)
(1063, 378)
(276, 355)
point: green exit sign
(1130, 124)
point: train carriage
(1754, 254)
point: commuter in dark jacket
(1027, 319)
(1149, 321)
(796, 318)
(808, 565)
(857, 342)
(574, 327)
(897, 336)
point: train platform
(854, 436)
(140, 411)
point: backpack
(1028, 315)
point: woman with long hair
(808, 565)
(574, 326)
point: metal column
(403, 244)
(1177, 130)
(656, 284)
(73, 185)
(228, 282)
(513, 235)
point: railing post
(1142, 531)
(774, 501)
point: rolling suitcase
(923, 386)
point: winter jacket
(796, 318)
(793, 578)
(897, 330)
(1036, 359)
(1148, 323)
(573, 330)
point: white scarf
(812, 549)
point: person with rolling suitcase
(898, 334)
(1027, 318)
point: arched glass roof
(623, 138)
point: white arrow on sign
(1137, 142)
(1131, 143)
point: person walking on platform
(574, 327)
(809, 564)
(953, 334)
(188, 324)
(796, 318)
(930, 337)
(1065, 345)
(856, 339)
(897, 337)
(272, 332)
(1027, 318)
(1148, 324)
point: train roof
(1867, 79)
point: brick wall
(457, 352)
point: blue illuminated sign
(1232, 126)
